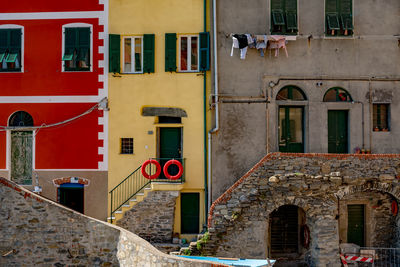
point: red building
(53, 100)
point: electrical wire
(44, 125)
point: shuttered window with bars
(381, 117)
(339, 17)
(10, 50)
(284, 17)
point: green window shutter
(331, 6)
(345, 6)
(114, 53)
(84, 37)
(333, 22)
(291, 14)
(204, 51)
(70, 41)
(148, 53)
(4, 39)
(15, 39)
(170, 52)
(346, 11)
(277, 10)
(277, 5)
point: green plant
(186, 252)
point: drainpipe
(215, 72)
(205, 121)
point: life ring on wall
(306, 236)
(158, 169)
(395, 208)
(177, 163)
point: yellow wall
(129, 93)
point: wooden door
(291, 129)
(355, 224)
(170, 147)
(190, 213)
(21, 157)
(337, 131)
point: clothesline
(259, 42)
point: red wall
(42, 67)
(71, 146)
(49, 6)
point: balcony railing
(136, 182)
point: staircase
(133, 189)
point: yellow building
(158, 88)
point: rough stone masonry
(35, 231)
(319, 184)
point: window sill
(338, 37)
(131, 154)
(289, 37)
(188, 71)
(130, 73)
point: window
(291, 93)
(77, 49)
(126, 145)
(284, 17)
(133, 54)
(188, 53)
(10, 50)
(337, 94)
(339, 17)
(381, 117)
(167, 119)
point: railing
(381, 257)
(136, 182)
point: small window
(166, 119)
(339, 17)
(291, 93)
(284, 17)
(381, 117)
(126, 145)
(133, 54)
(10, 50)
(76, 49)
(189, 53)
(337, 95)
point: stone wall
(321, 185)
(152, 218)
(35, 231)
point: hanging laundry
(277, 42)
(242, 43)
(261, 43)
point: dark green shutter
(204, 51)
(170, 52)
(114, 53)
(70, 38)
(291, 14)
(346, 11)
(345, 6)
(331, 6)
(15, 39)
(83, 43)
(148, 51)
(277, 5)
(3, 39)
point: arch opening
(337, 94)
(291, 92)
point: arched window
(337, 94)
(291, 93)
(20, 119)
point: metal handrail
(135, 183)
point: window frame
(189, 58)
(338, 33)
(284, 14)
(22, 63)
(77, 25)
(131, 142)
(379, 125)
(132, 37)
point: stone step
(167, 247)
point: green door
(190, 213)
(355, 224)
(170, 147)
(291, 129)
(21, 157)
(337, 131)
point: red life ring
(395, 208)
(306, 236)
(158, 169)
(169, 163)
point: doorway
(291, 129)
(190, 213)
(337, 131)
(170, 147)
(71, 195)
(21, 157)
(356, 224)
